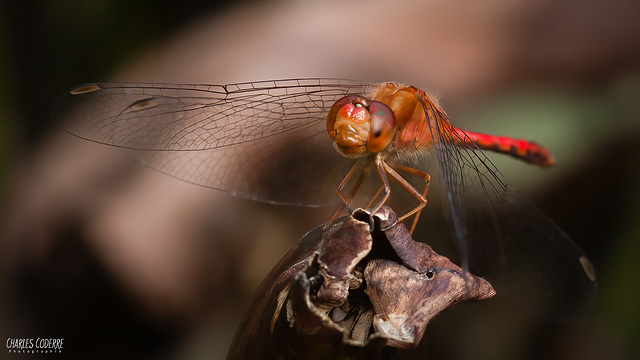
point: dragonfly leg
(383, 169)
(422, 198)
(373, 199)
(348, 198)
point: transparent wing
(260, 140)
(506, 239)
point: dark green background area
(49, 46)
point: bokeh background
(124, 262)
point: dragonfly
(267, 141)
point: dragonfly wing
(293, 170)
(220, 136)
(506, 239)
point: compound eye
(383, 127)
(350, 99)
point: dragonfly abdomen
(519, 148)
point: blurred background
(122, 261)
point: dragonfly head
(359, 126)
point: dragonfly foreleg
(347, 199)
(383, 169)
